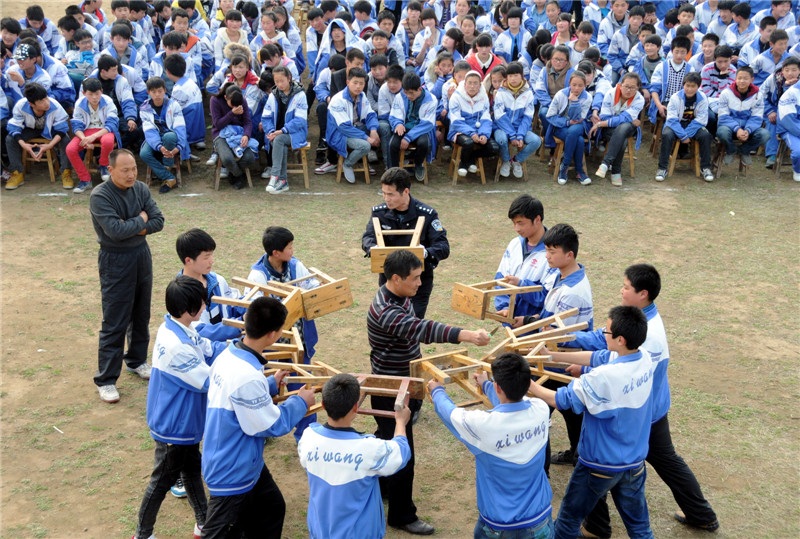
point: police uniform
(433, 239)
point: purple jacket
(222, 117)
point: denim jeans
(385, 133)
(587, 486)
(532, 143)
(172, 461)
(359, 147)
(543, 530)
(573, 146)
(156, 160)
(15, 150)
(726, 136)
(280, 155)
(617, 138)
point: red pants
(74, 153)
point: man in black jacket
(400, 211)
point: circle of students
(479, 77)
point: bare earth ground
(727, 252)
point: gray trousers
(280, 155)
(15, 150)
(229, 161)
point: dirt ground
(71, 466)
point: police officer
(400, 211)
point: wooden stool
(629, 153)
(218, 171)
(177, 166)
(717, 163)
(694, 146)
(782, 147)
(455, 160)
(402, 160)
(500, 161)
(50, 156)
(302, 166)
(655, 143)
(364, 168)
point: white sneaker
(266, 174)
(707, 174)
(271, 186)
(108, 393)
(796, 176)
(200, 145)
(198, 532)
(349, 175)
(142, 370)
(194, 158)
(462, 172)
(601, 170)
(473, 169)
(223, 173)
(212, 159)
(505, 169)
(616, 180)
(325, 168)
(516, 169)
(280, 186)
(661, 175)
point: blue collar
(628, 358)
(508, 407)
(571, 279)
(650, 311)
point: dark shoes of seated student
(419, 173)
(236, 181)
(708, 526)
(168, 185)
(568, 456)
(586, 534)
(418, 527)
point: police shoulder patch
(437, 225)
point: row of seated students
(436, 44)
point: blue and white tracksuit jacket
(56, 120)
(770, 97)
(210, 324)
(138, 60)
(514, 113)
(343, 467)
(509, 443)
(764, 65)
(295, 122)
(565, 294)
(736, 40)
(170, 119)
(747, 113)
(136, 88)
(122, 89)
(176, 395)
(616, 397)
(675, 110)
(619, 48)
(190, 98)
(469, 115)
(385, 100)
(426, 123)
(326, 45)
(48, 33)
(240, 416)
(634, 56)
(61, 86)
(340, 120)
(504, 44)
(14, 91)
(655, 344)
(628, 114)
(541, 87)
(562, 111)
(788, 123)
(659, 84)
(81, 116)
(531, 270)
(605, 32)
(157, 67)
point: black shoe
(322, 156)
(565, 457)
(708, 526)
(419, 527)
(586, 534)
(238, 185)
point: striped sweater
(395, 333)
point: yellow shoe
(16, 179)
(66, 179)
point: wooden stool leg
(304, 162)
(480, 169)
(557, 159)
(673, 158)
(50, 165)
(365, 164)
(217, 173)
(631, 156)
(249, 178)
(497, 171)
(454, 162)
(696, 147)
(401, 158)
(339, 165)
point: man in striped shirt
(394, 334)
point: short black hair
(398, 177)
(687, 7)
(427, 13)
(386, 14)
(646, 27)
(175, 65)
(514, 68)
(233, 15)
(515, 13)
(526, 206)
(276, 238)
(513, 374)
(723, 51)
(91, 85)
(264, 315)
(563, 236)
(120, 29)
(80, 35)
(116, 4)
(329, 5)
(248, 9)
(681, 42)
(357, 72)
(68, 23)
(355, 54)
(769, 20)
(184, 4)
(742, 9)
(173, 40)
(726, 5)
(345, 16)
(106, 62)
(791, 60)
(10, 25)
(628, 322)
(184, 295)
(653, 39)
(178, 12)
(411, 81)
(154, 83)
(401, 263)
(34, 13)
(378, 60)
(644, 277)
(778, 35)
(336, 62)
(314, 13)
(684, 30)
(340, 394)
(693, 78)
(138, 5)
(34, 92)
(636, 11)
(193, 243)
(362, 6)
(710, 37)
(381, 33)
(396, 72)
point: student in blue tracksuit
(188, 95)
(195, 249)
(741, 114)
(771, 91)
(615, 399)
(344, 466)
(509, 443)
(641, 286)
(176, 403)
(514, 108)
(566, 117)
(471, 122)
(239, 419)
(413, 121)
(279, 264)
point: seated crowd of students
(393, 76)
